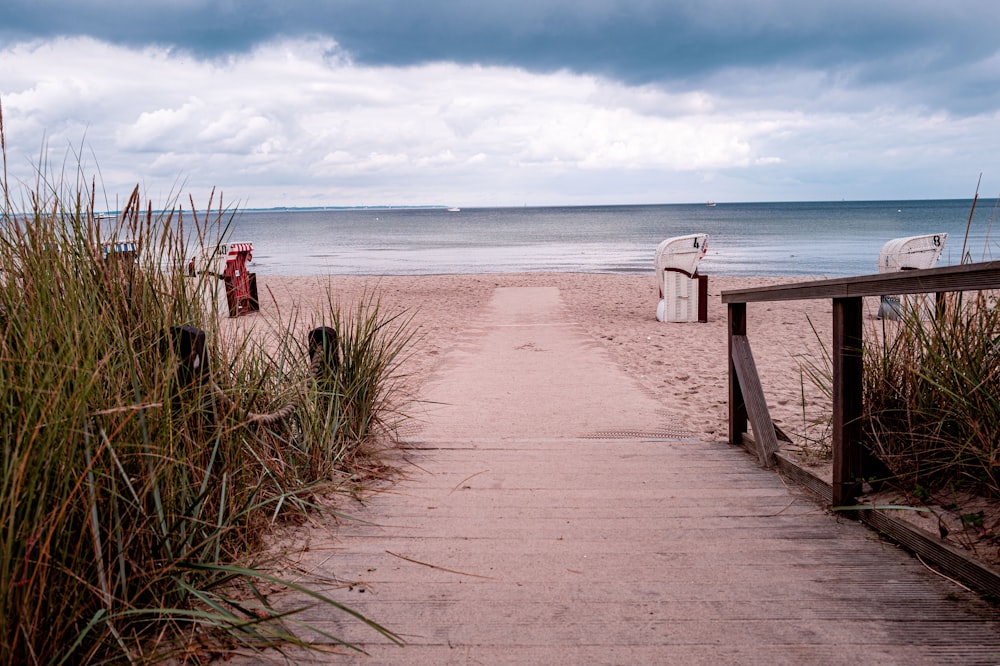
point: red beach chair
(241, 285)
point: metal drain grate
(641, 434)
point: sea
(818, 239)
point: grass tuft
(932, 411)
(133, 498)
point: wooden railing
(746, 397)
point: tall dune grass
(932, 405)
(132, 500)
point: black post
(254, 304)
(188, 342)
(702, 298)
(940, 305)
(324, 351)
(737, 404)
(848, 365)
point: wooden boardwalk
(549, 515)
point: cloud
(547, 101)
(934, 47)
(286, 108)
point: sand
(682, 365)
(515, 533)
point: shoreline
(684, 366)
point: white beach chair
(907, 254)
(683, 293)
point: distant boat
(710, 203)
(454, 209)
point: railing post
(847, 400)
(737, 404)
(188, 342)
(324, 354)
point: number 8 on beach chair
(907, 254)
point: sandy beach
(535, 519)
(682, 365)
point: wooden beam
(756, 404)
(940, 305)
(702, 298)
(954, 561)
(737, 405)
(847, 400)
(966, 277)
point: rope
(267, 418)
(316, 367)
(217, 276)
(188, 343)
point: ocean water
(820, 239)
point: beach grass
(932, 410)
(136, 489)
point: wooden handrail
(967, 277)
(746, 395)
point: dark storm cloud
(636, 41)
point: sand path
(527, 370)
(549, 514)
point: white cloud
(160, 130)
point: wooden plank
(966, 277)
(847, 395)
(791, 593)
(753, 394)
(954, 561)
(804, 477)
(951, 560)
(750, 445)
(940, 304)
(737, 405)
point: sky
(504, 103)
